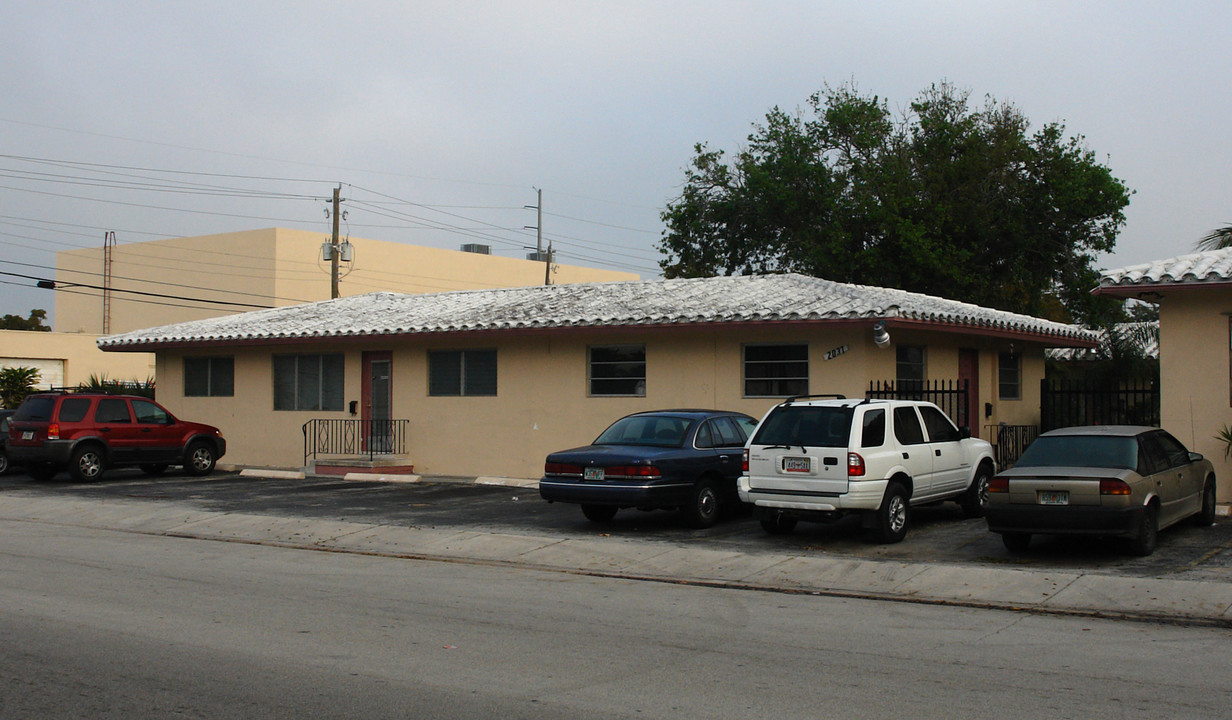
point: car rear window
(805, 425)
(665, 431)
(37, 409)
(1081, 451)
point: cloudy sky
(439, 119)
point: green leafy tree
(17, 322)
(947, 199)
(15, 384)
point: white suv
(820, 459)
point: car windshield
(37, 409)
(805, 425)
(658, 430)
(1081, 451)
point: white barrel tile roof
(1211, 266)
(637, 303)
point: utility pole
(333, 256)
(547, 269)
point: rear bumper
(665, 493)
(1069, 520)
(861, 495)
(50, 452)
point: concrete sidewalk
(1073, 593)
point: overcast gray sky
(439, 118)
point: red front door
(969, 370)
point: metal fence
(1008, 441)
(1063, 404)
(949, 395)
(354, 437)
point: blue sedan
(667, 459)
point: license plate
(592, 473)
(795, 464)
(27, 435)
(1054, 497)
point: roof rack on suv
(794, 398)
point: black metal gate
(1063, 404)
(949, 395)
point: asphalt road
(103, 624)
(939, 533)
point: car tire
(774, 522)
(1206, 516)
(4, 462)
(704, 505)
(199, 459)
(1143, 543)
(894, 514)
(41, 472)
(153, 468)
(599, 513)
(1016, 542)
(975, 500)
(87, 464)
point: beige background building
(231, 273)
(274, 267)
(69, 359)
(1194, 293)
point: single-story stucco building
(1194, 294)
(489, 381)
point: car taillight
(855, 465)
(633, 471)
(744, 462)
(53, 431)
(561, 469)
(999, 485)
(1111, 486)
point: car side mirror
(1195, 457)
(964, 432)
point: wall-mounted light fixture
(881, 337)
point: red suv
(87, 433)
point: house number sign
(831, 354)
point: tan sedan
(1128, 481)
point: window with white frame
(209, 376)
(458, 373)
(776, 370)
(1009, 376)
(617, 370)
(308, 382)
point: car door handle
(906, 456)
(106, 429)
(937, 452)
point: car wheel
(200, 459)
(893, 515)
(1206, 516)
(153, 468)
(41, 472)
(4, 462)
(599, 513)
(703, 506)
(1143, 543)
(87, 464)
(975, 500)
(775, 522)
(1016, 542)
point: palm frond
(1217, 239)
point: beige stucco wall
(542, 403)
(77, 353)
(1194, 372)
(271, 267)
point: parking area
(938, 535)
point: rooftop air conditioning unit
(477, 248)
(537, 256)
